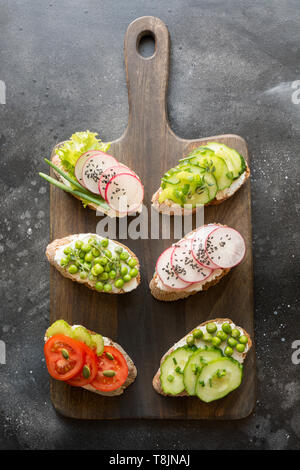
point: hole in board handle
(146, 44)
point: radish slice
(185, 266)
(198, 246)
(109, 173)
(80, 162)
(124, 193)
(93, 168)
(166, 274)
(225, 247)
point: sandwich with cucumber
(82, 358)
(100, 264)
(196, 262)
(208, 175)
(206, 363)
(84, 169)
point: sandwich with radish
(206, 363)
(83, 168)
(208, 175)
(196, 262)
(82, 358)
(98, 263)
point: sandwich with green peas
(100, 264)
(206, 363)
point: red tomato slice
(118, 364)
(90, 366)
(64, 357)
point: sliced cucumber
(60, 327)
(199, 197)
(97, 343)
(195, 364)
(81, 334)
(199, 152)
(217, 166)
(218, 378)
(233, 159)
(171, 371)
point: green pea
(107, 287)
(78, 244)
(64, 261)
(108, 253)
(95, 252)
(216, 341)
(133, 272)
(228, 351)
(112, 274)
(99, 286)
(97, 260)
(87, 266)
(124, 256)
(240, 348)
(226, 328)
(118, 250)
(119, 283)
(91, 240)
(68, 250)
(235, 333)
(83, 275)
(107, 268)
(243, 339)
(124, 270)
(127, 278)
(207, 337)
(197, 333)
(89, 257)
(86, 247)
(103, 276)
(103, 261)
(92, 277)
(73, 269)
(104, 242)
(211, 328)
(97, 269)
(190, 340)
(81, 254)
(132, 262)
(232, 342)
(223, 336)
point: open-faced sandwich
(206, 363)
(197, 261)
(210, 174)
(84, 169)
(99, 263)
(85, 359)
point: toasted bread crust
(156, 379)
(174, 209)
(53, 247)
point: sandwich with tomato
(82, 358)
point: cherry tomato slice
(89, 369)
(110, 360)
(64, 357)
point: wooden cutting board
(145, 327)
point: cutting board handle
(147, 77)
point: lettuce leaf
(79, 143)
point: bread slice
(219, 321)
(172, 208)
(161, 292)
(109, 212)
(56, 244)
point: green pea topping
(78, 244)
(109, 373)
(65, 353)
(235, 333)
(68, 250)
(98, 269)
(124, 270)
(211, 328)
(132, 262)
(64, 261)
(86, 247)
(73, 269)
(190, 340)
(83, 275)
(243, 339)
(127, 278)
(207, 337)
(91, 240)
(107, 287)
(103, 276)
(170, 378)
(81, 254)
(99, 286)
(119, 283)
(197, 333)
(112, 274)
(124, 256)
(89, 257)
(232, 342)
(86, 372)
(133, 272)
(226, 328)
(108, 253)
(104, 242)
(223, 336)
(95, 252)
(107, 268)
(92, 278)
(103, 261)
(118, 250)
(228, 351)
(240, 348)
(216, 341)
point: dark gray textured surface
(232, 65)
